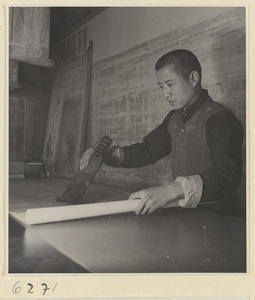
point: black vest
(190, 150)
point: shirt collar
(191, 109)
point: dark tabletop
(172, 240)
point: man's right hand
(99, 149)
(114, 156)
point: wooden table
(172, 240)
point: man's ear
(194, 78)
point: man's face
(178, 91)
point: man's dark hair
(184, 60)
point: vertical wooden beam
(11, 22)
(87, 99)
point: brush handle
(74, 192)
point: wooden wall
(29, 83)
(27, 124)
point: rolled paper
(72, 212)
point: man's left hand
(157, 197)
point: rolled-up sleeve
(193, 188)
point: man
(204, 137)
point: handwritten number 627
(17, 288)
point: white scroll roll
(72, 212)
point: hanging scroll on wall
(66, 133)
(67, 155)
(29, 35)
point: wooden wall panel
(36, 110)
(27, 125)
(16, 129)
